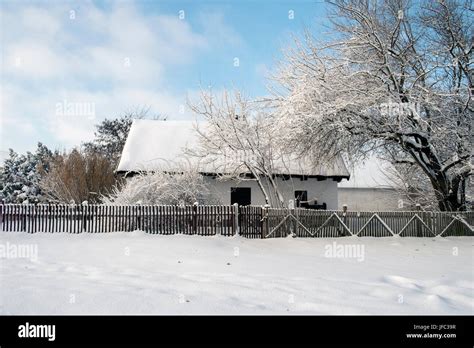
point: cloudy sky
(67, 65)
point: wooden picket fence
(248, 221)
(163, 219)
(251, 221)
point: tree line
(83, 174)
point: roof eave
(337, 178)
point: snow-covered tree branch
(395, 78)
(185, 186)
(238, 140)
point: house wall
(371, 199)
(324, 191)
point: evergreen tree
(21, 173)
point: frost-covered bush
(160, 187)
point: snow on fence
(248, 221)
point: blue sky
(110, 57)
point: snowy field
(137, 273)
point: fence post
(29, 225)
(195, 206)
(419, 233)
(35, 215)
(83, 216)
(2, 210)
(294, 212)
(264, 220)
(344, 214)
(236, 219)
(139, 217)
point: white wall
(324, 191)
(371, 199)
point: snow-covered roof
(373, 173)
(153, 144)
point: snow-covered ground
(135, 272)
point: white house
(370, 189)
(155, 144)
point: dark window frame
(301, 195)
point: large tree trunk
(446, 186)
(449, 203)
(447, 193)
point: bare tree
(411, 187)
(237, 140)
(395, 80)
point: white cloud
(31, 60)
(39, 22)
(113, 59)
(97, 44)
(216, 29)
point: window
(301, 196)
(240, 195)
